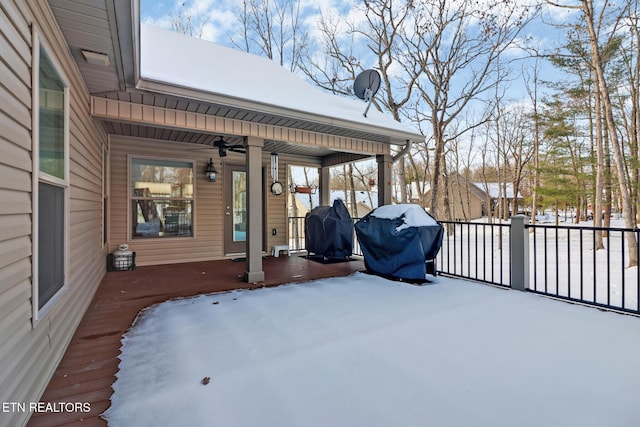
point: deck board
(88, 368)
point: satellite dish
(366, 86)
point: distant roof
(251, 81)
(495, 190)
(361, 197)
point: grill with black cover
(329, 231)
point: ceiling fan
(223, 146)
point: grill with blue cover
(400, 241)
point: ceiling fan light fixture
(224, 146)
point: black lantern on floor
(210, 172)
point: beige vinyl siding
(30, 352)
(276, 207)
(207, 241)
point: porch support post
(325, 190)
(519, 253)
(254, 271)
(385, 163)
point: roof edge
(396, 136)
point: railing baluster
(468, 249)
(581, 265)
(492, 254)
(608, 270)
(501, 251)
(546, 274)
(568, 264)
(557, 264)
(535, 258)
(623, 263)
(638, 271)
(484, 253)
(476, 249)
(595, 263)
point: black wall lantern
(210, 172)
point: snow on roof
(361, 197)
(179, 60)
(413, 215)
(495, 190)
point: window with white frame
(51, 155)
(161, 198)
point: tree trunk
(612, 132)
(599, 196)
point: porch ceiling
(203, 141)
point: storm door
(235, 210)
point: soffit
(103, 27)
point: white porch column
(254, 271)
(385, 189)
(325, 189)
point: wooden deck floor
(90, 363)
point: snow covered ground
(365, 351)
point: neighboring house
(466, 200)
(470, 201)
(364, 202)
(106, 128)
(496, 193)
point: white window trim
(106, 178)
(37, 177)
(194, 168)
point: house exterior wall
(465, 205)
(207, 242)
(30, 349)
(464, 201)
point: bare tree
(532, 82)
(385, 32)
(594, 21)
(186, 20)
(465, 41)
(273, 28)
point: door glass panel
(239, 200)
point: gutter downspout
(405, 150)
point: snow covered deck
(90, 363)
(365, 351)
(356, 350)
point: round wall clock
(277, 188)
